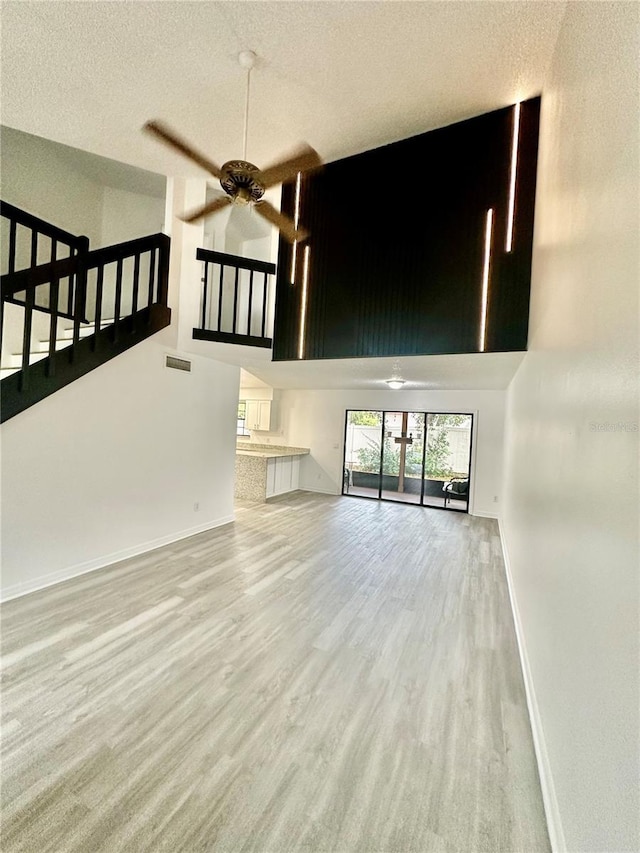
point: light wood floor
(325, 674)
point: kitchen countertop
(261, 454)
(261, 451)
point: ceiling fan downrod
(247, 59)
(241, 179)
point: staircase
(40, 350)
(67, 316)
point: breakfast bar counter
(264, 470)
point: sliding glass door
(412, 457)
(402, 456)
(362, 463)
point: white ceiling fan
(242, 181)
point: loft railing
(119, 298)
(28, 242)
(235, 299)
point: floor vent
(177, 363)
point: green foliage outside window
(369, 458)
(365, 418)
(436, 459)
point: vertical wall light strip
(296, 210)
(296, 220)
(512, 179)
(303, 304)
(486, 270)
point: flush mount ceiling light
(395, 384)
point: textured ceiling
(344, 76)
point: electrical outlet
(495, 499)
(196, 507)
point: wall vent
(177, 363)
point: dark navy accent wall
(397, 246)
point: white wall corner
(481, 514)
(549, 798)
(333, 492)
(51, 579)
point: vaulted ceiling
(343, 76)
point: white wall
(316, 419)
(40, 176)
(127, 215)
(113, 464)
(35, 178)
(570, 509)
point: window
(242, 415)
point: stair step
(67, 334)
(14, 361)
(43, 346)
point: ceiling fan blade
(282, 222)
(207, 209)
(161, 131)
(305, 159)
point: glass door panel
(402, 456)
(447, 461)
(362, 450)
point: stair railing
(29, 242)
(146, 260)
(119, 297)
(235, 299)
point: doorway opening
(421, 458)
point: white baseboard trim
(319, 491)
(552, 811)
(482, 514)
(44, 581)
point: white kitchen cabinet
(258, 415)
(283, 475)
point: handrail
(22, 217)
(15, 282)
(235, 261)
(234, 307)
(109, 254)
(34, 276)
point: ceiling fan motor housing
(241, 180)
